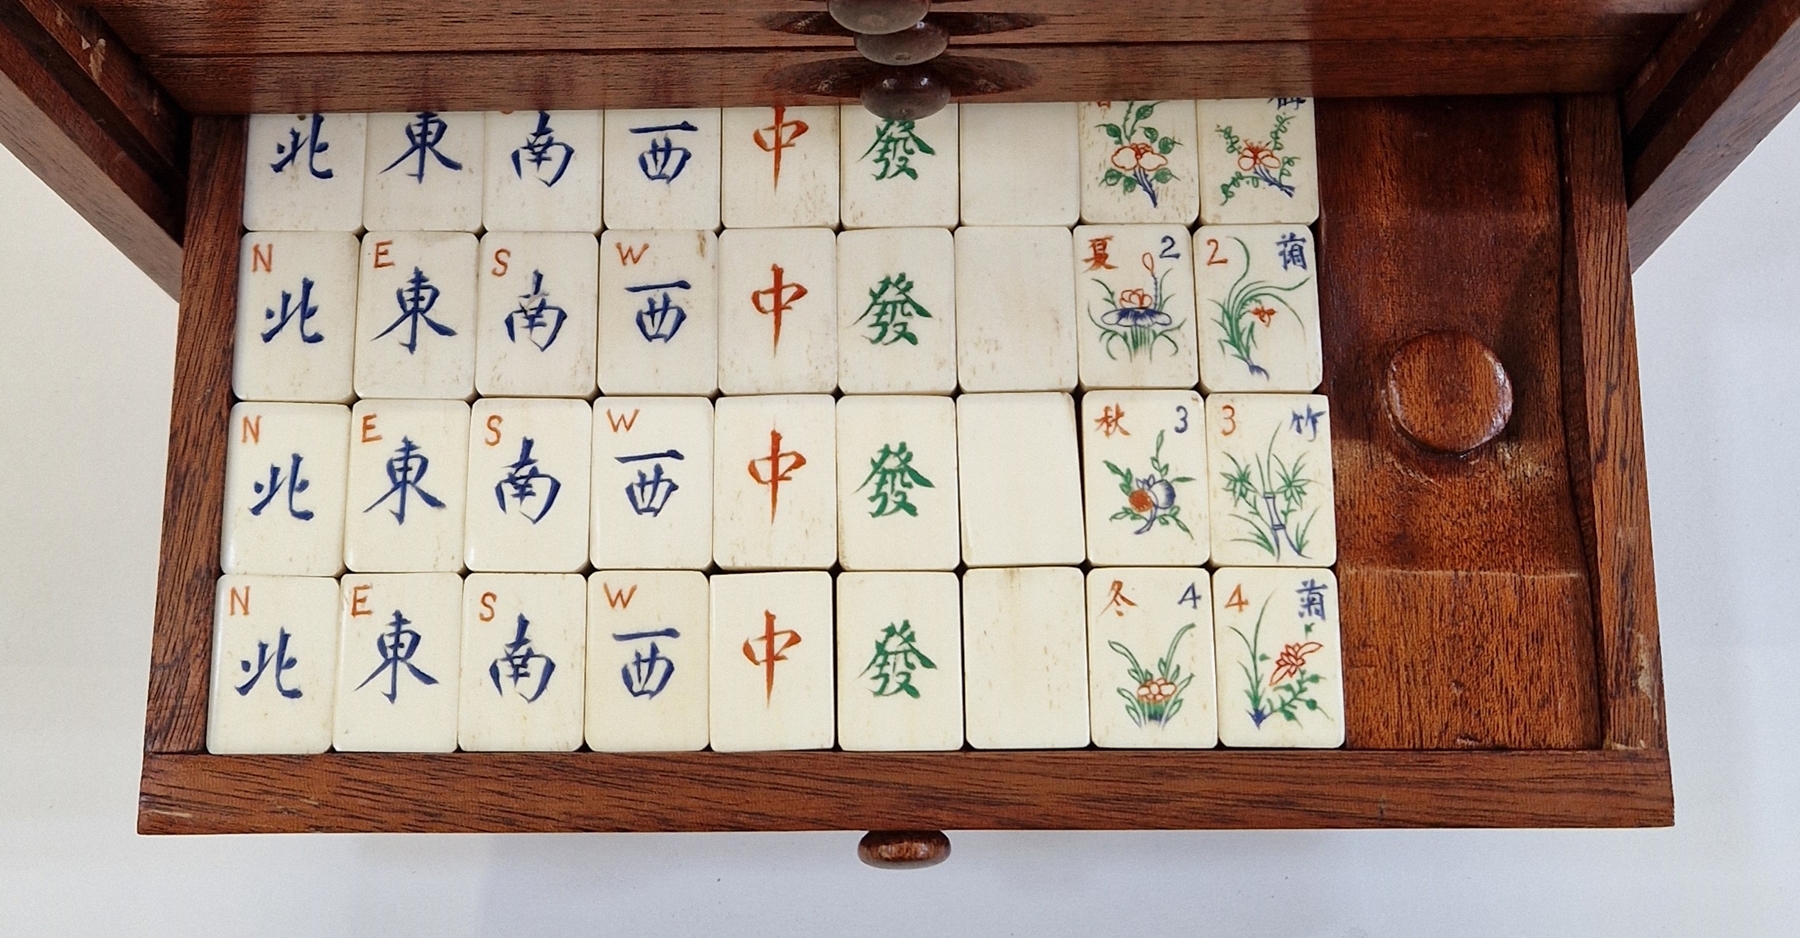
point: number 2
(1182, 412)
(1168, 249)
(1230, 414)
(1213, 259)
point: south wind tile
(304, 172)
(535, 311)
(1144, 478)
(899, 173)
(524, 663)
(1270, 479)
(1015, 309)
(399, 662)
(1258, 161)
(775, 482)
(274, 661)
(778, 319)
(1280, 667)
(1150, 658)
(659, 312)
(408, 486)
(423, 171)
(662, 168)
(542, 171)
(772, 662)
(896, 465)
(528, 485)
(1135, 305)
(1025, 658)
(780, 167)
(1021, 164)
(647, 660)
(653, 483)
(415, 315)
(285, 466)
(1139, 162)
(1258, 293)
(1020, 479)
(899, 645)
(896, 311)
(296, 317)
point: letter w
(623, 420)
(620, 599)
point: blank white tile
(772, 662)
(1280, 665)
(296, 318)
(1025, 658)
(1021, 164)
(542, 171)
(899, 644)
(423, 171)
(647, 667)
(1015, 309)
(285, 466)
(524, 663)
(1258, 161)
(1144, 478)
(304, 172)
(1258, 297)
(896, 464)
(1150, 658)
(1270, 481)
(659, 312)
(399, 663)
(1020, 478)
(775, 482)
(528, 485)
(896, 299)
(899, 174)
(409, 469)
(1135, 290)
(653, 483)
(535, 314)
(1139, 162)
(778, 311)
(415, 315)
(662, 168)
(780, 167)
(274, 657)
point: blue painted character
(292, 482)
(282, 661)
(660, 318)
(416, 300)
(304, 308)
(1312, 602)
(1291, 248)
(309, 142)
(664, 160)
(647, 675)
(519, 665)
(547, 157)
(521, 480)
(405, 471)
(650, 494)
(423, 136)
(534, 315)
(397, 647)
(1301, 423)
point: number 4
(1237, 600)
(1191, 597)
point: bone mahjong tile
(896, 296)
(779, 167)
(1258, 292)
(778, 314)
(285, 466)
(415, 315)
(775, 482)
(1021, 164)
(1258, 162)
(408, 486)
(1020, 479)
(653, 483)
(899, 173)
(1145, 481)
(1025, 658)
(1015, 309)
(304, 172)
(659, 312)
(1280, 667)
(399, 662)
(524, 663)
(1150, 658)
(896, 465)
(1269, 476)
(772, 662)
(899, 673)
(296, 317)
(542, 171)
(1134, 288)
(535, 315)
(647, 660)
(528, 485)
(423, 171)
(274, 660)
(662, 168)
(1139, 162)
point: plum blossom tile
(535, 315)
(1139, 164)
(899, 173)
(528, 485)
(1258, 161)
(778, 314)
(542, 171)
(285, 468)
(407, 486)
(1269, 475)
(1145, 481)
(415, 315)
(896, 311)
(1025, 658)
(1280, 665)
(296, 317)
(653, 483)
(772, 662)
(1135, 289)
(1020, 479)
(775, 482)
(647, 660)
(780, 167)
(1150, 658)
(304, 172)
(423, 171)
(274, 661)
(399, 663)
(662, 168)
(896, 464)
(1015, 309)
(659, 312)
(899, 643)
(1258, 297)
(1021, 164)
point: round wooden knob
(906, 94)
(903, 850)
(920, 42)
(877, 17)
(1448, 392)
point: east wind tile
(778, 311)
(647, 661)
(780, 167)
(304, 172)
(896, 298)
(415, 315)
(408, 482)
(535, 314)
(896, 465)
(1258, 293)
(1139, 162)
(772, 662)
(524, 663)
(399, 663)
(285, 466)
(1150, 658)
(662, 168)
(899, 678)
(274, 660)
(1280, 668)
(1270, 479)
(653, 483)
(1144, 477)
(659, 312)
(1258, 162)
(1015, 309)
(1025, 658)
(775, 482)
(423, 171)
(1021, 164)
(296, 317)
(542, 171)
(528, 485)
(1020, 479)
(899, 173)
(1135, 295)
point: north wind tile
(535, 309)
(899, 643)
(304, 172)
(775, 482)
(896, 311)
(1025, 658)
(285, 466)
(1020, 479)
(899, 173)
(274, 661)
(423, 171)
(1280, 667)
(528, 485)
(1015, 309)
(1258, 162)
(1139, 163)
(296, 317)
(772, 662)
(1270, 478)
(524, 663)
(1135, 289)
(659, 312)
(1259, 308)
(780, 167)
(896, 464)
(542, 171)
(647, 661)
(400, 663)
(1150, 658)
(662, 169)
(408, 486)
(1144, 466)
(653, 483)
(415, 315)
(778, 314)
(1021, 164)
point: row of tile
(1227, 162)
(776, 311)
(875, 482)
(638, 660)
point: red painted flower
(1292, 659)
(1264, 315)
(1141, 501)
(1254, 155)
(1135, 298)
(1156, 690)
(1135, 156)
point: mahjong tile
(415, 315)
(535, 302)
(1015, 309)
(1134, 287)
(274, 661)
(296, 317)
(659, 312)
(779, 167)
(542, 171)
(1150, 658)
(662, 169)
(1257, 161)
(653, 483)
(1025, 658)
(1139, 162)
(778, 313)
(1020, 479)
(524, 662)
(1144, 478)
(423, 171)
(1021, 164)
(528, 485)
(409, 468)
(1280, 667)
(899, 173)
(772, 662)
(1269, 474)
(284, 489)
(399, 662)
(775, 482)
(899, 675)
(304, 172)
(896, 300)
(647, 660)
(1258, 292)
(896, 465)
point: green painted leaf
(1150, 134)
(1128, 184)
(1111, 178)
(1163, 175)
(1144, 111)
(1113, 131)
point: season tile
(1135, 291)
(1144, 478)
(1280, 667)
(1139, 162)
(1150, 658)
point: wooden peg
(903, 850)
(1448, 392)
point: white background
(86, 346)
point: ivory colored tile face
(772, 662)
(1015, 309)
(899, 678)
(896, 296)
(899, 174)
(528, 485)
(284, 489)
(775, 482)
(535, 309)
(542, 171)
(1257, 161)
(1020, 479)
(304, 172)
(1135, 293)
(399, 662)
(1139, 162)
(778, 311)
(1150, 658)
(647, 669)
(780, 167)
(662, 168)
(1258, 298)
(296, 322)
(896, 465)
(524, 663)
(423, 171)
(1270, 482)
(653, 483)
(659, 312)
(409, 469)
(1144, 477)
(1025, 658)
(415, 315)
(274, 657)
(1280, 666)
(1021, 164)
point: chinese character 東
(416, 300)
(397, 647)
(405, 471)
(423, 137)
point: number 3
(1230, 414)
(1182, 412)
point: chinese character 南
(534, 315)
(416, 300)
(787, 638)
(896, 657)
(304, 308)
(309, 141)
(547, 157)
(647, 675)
(423, 137)
(1301, 423)
(896, 143)
(292, 482)
(779, 136)
(781, 296)
(664, 161)
(405, 471)
(282, 661)
(892, 472)
(1312, 602)
(891, 305)
(518, 664)
(397, 647)
(660, 318)
(777, 472)
(521, 480)
(650, 494)
(1291, 249)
